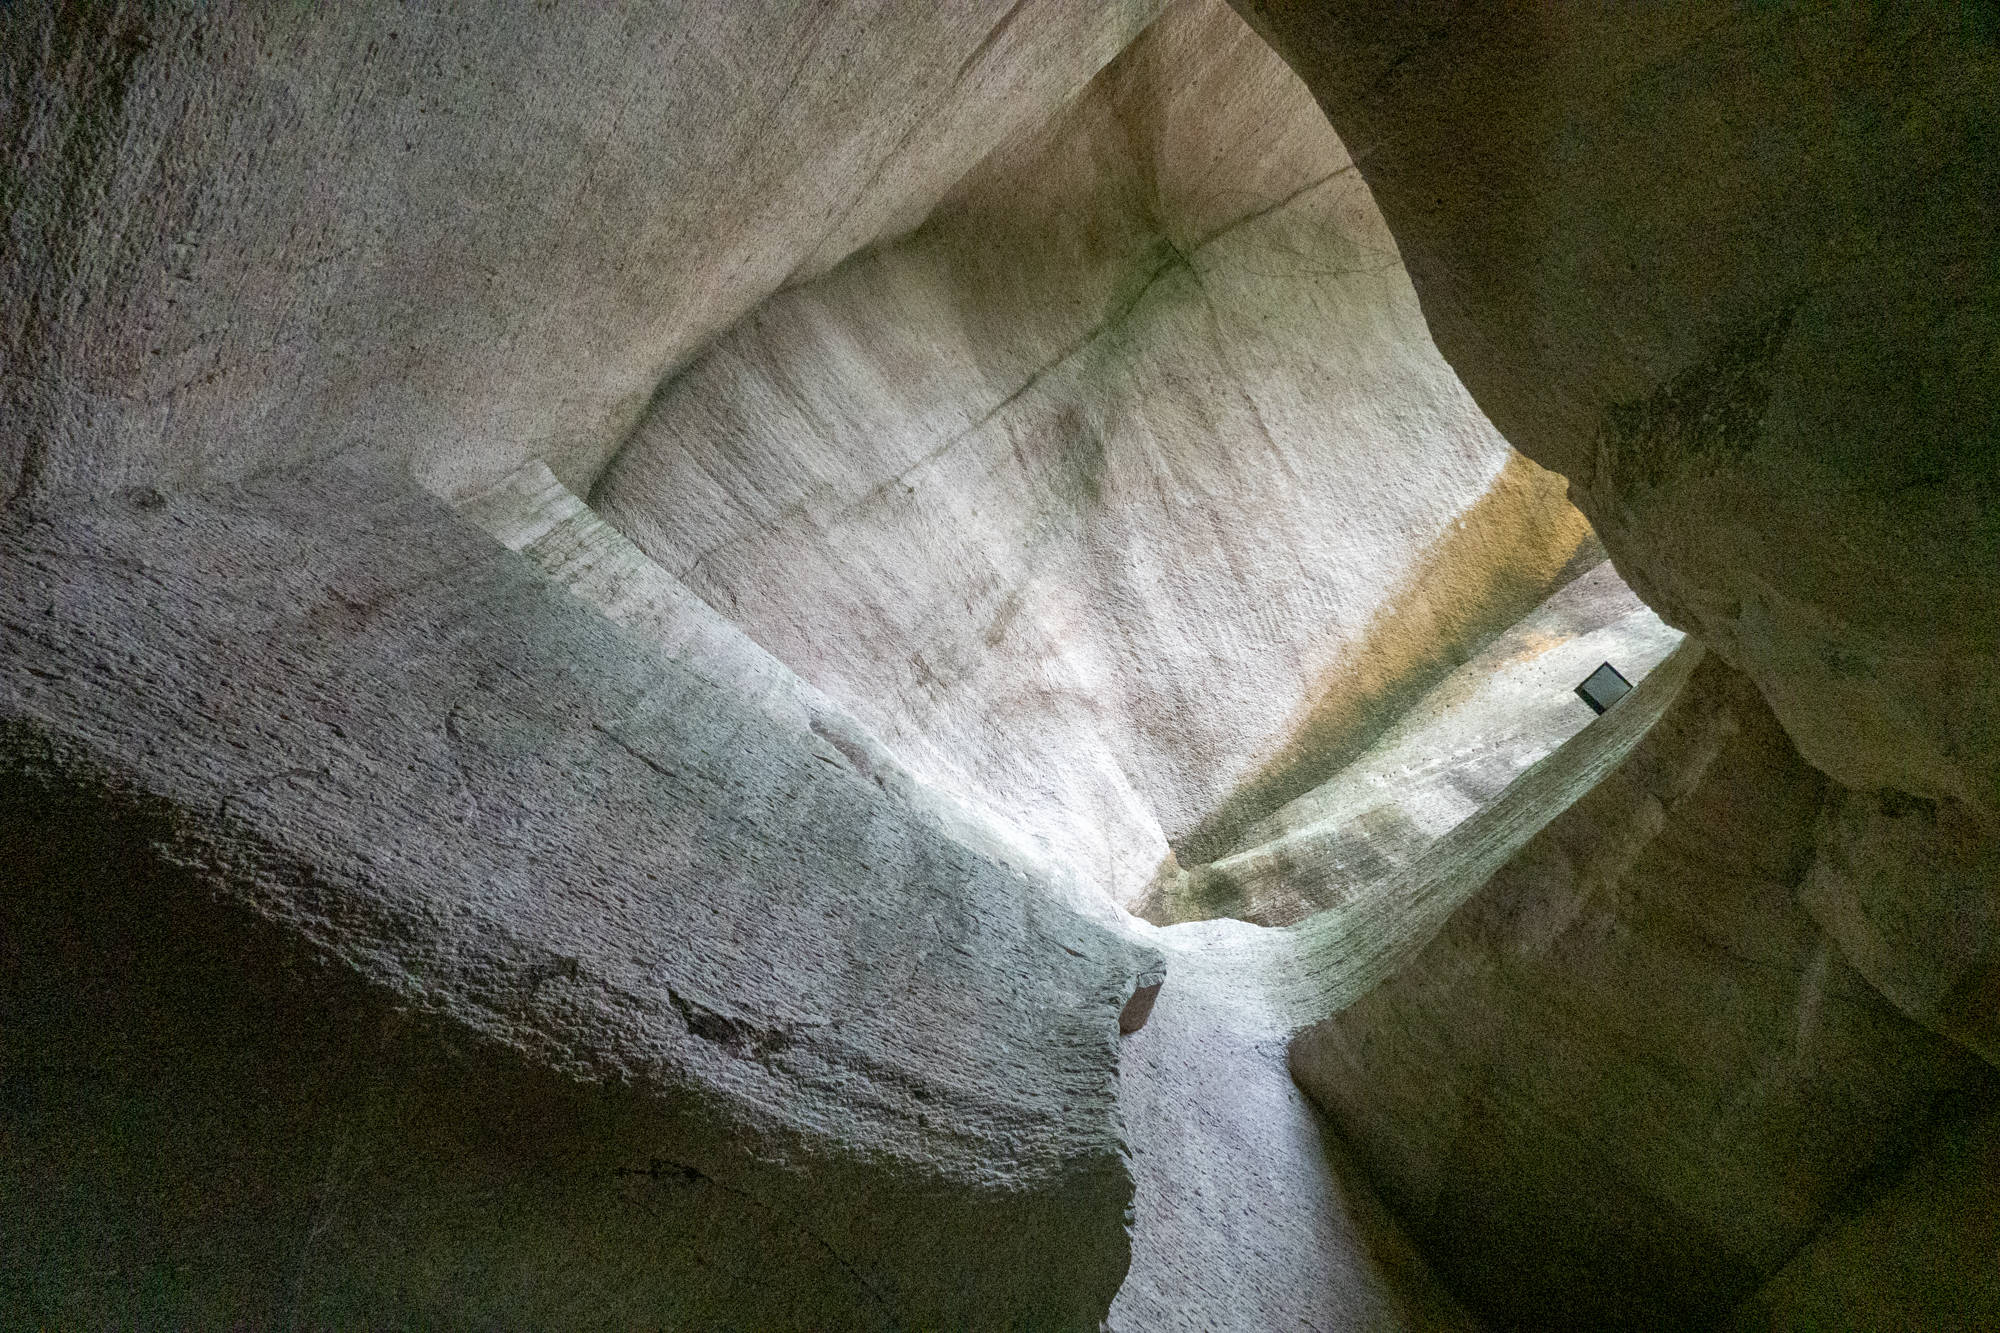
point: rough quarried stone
(401, 943)
(390, 941)
(1248, 1214)
(1217, 1134)
(463, 234)
(1128, 493)
(1911, 890)
(1920, 1256)
(1632, 1075)
(1730, 270)
(531, 512)
(1459, 750)
(1349, 948)
(1248, 1217)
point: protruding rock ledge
(407, 942)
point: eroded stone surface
(1911, 890)
(460, 234)
(1128, 493)
(1455, 753)
(1247, 1216)
(448, 951)
(531, 512)
(1730, 270)
(1919, 1256)
(1632, 1075)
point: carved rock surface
(1247, 1215)
(1241, 1216)
(391, 941)
(1911, 890)
(1041, 464)
(463, 234)
(1632, 1075)
(1920, 1256)
(1730, 270)
(1128, 493)
(1458, 751)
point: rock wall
(1240, 1216)
(1464, 745)
(390, 940)
(460, 234)
(1127, 494)
(1247, 1214)
(1918, 1256)
(1730, 270)
(1911, 890)
(531, 512)
(1633, 1076)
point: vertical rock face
(1919, 1256)
(386, 939)
(390, 941)
(1633, 1075)
(464, 234)
(393, 942)
(1729, 269)
(1247, 1218)
(1911, 890)
(1128, 493)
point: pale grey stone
(422, 948)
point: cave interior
(884, 665)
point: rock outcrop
(392, 941)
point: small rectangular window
(1603, 688)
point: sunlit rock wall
(1128, 493)
(1455, 753)
(1730, 269)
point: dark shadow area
(206, 1127)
